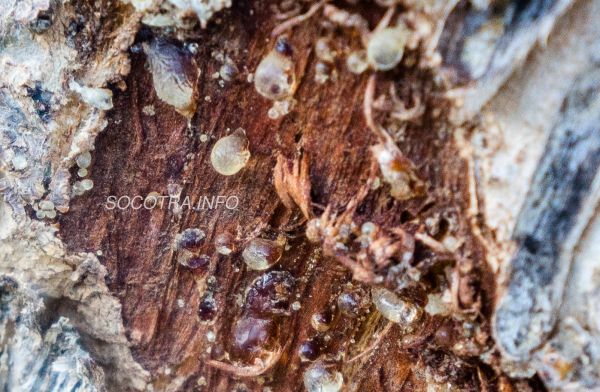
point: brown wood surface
(138, 154)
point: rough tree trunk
(484, 229)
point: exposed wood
(363, 180)
(139, 154)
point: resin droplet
(84, 160)
(398, 171)
(280, 108)
(444, 336)
(184, 257)
(228, 71)
(252, 334)
(395, 309)
(310, 349)
(270, 293)
(207, 310)
(274, 77)
(352, 304)
(174, 75)
(357, 62)
(261, 254)
(190, 239)
(87, 184)
(211, 337)
(386, 48)
(317, 378)
(225, 243)
(230, 153)
(199, 262)
(46, 205)
(321, 321)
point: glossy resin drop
(190, 239)
(270, 293)
(310, 349)
(230, 153)
(394, 308)
(386, 48)
(274, 77)
(174, 75)
(225, 243)
(318, 378)
(321, 321)
(207, 309)
(252, 334)
(261, 254)
(352, 303)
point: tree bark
(482, 224)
